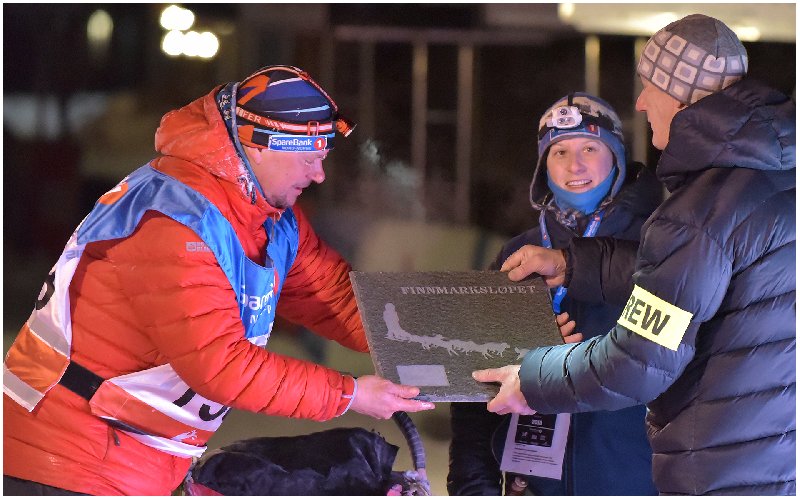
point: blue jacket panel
(721, 416)
(150, 189)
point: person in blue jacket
(581, 186)
(707, 337)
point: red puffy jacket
(143, 301)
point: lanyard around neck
(591, 229)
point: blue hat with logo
(282, 108)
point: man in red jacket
(153, 322)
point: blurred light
(208, 46)
(172, 44)
(176, 18)
(653, 23)
(191, 44)
(566, 10)
(29, 116)
(98, 34)
(224, 28)
(99, 27)
(747, 33)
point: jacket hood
(747, 125)
(197, 134)
(641, 194)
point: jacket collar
(746, 125)
(196, 133)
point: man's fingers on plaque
(404, 391)
(411, 406)
(513, 260)
(521, 272)
(487, 375)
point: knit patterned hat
(282, 108)
(693, 57)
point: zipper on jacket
(271, 235)
(113, 435)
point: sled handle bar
(413, 439)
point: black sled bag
(340, 461)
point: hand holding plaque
(531, 259)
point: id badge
(535, 445)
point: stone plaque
(432, 329)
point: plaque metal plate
(433, 329)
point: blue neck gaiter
(586, 202)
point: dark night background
(76, 120)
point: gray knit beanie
(693, 57)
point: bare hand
(548, 263)
(380, 398)
(510, 398)
(567, 328)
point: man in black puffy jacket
(707, 334)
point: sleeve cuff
(349, 390)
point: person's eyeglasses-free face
(579, 164)
(660, 108)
